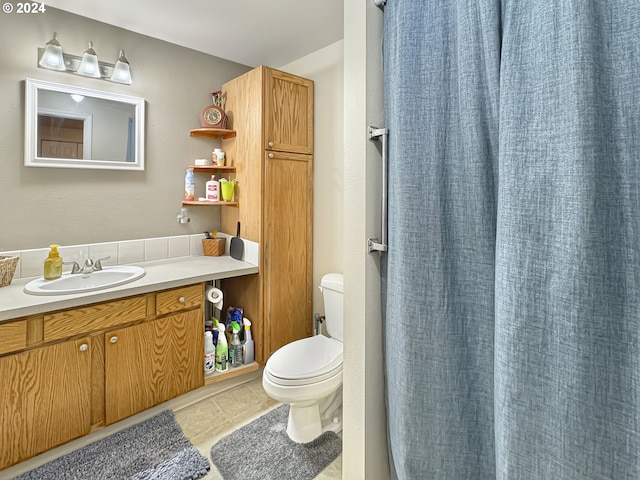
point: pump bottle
(212, 190)
(53, 264)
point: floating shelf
(212, 168)
(196, 203)
(212, 132)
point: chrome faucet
(88, 267)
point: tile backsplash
(119, 253)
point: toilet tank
(332, 288)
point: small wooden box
(214, 247)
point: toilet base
(309, 420)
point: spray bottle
(248, 347)
(222, 350)
(235, 351)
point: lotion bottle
(53, 264)
(213, 190)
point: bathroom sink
(70, 283)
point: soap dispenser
(53, 264)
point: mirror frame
(31, 159)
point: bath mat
(154, 449)
(263, 450)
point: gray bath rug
(154, 449)
(262, 450)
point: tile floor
(238, 406)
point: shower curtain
(511, 287)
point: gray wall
(39, 206)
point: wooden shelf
(232, 372)
(196, 203)
(212, 132)
(212, 168)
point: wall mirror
(76, 127)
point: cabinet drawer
(13, 336)
(93, 317)
(179, 299)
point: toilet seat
(305, 361)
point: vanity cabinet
(45, 399)
(155, 361)
(69, 372)
(272, 114)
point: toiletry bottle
(248, 347)
(217, 157)
(222, 350)
(209, 354)
(189, 186)
(53, 264)
(213, 189)
(235, 350)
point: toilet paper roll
(214, 295)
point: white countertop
(159, 275)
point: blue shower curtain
(512, 281)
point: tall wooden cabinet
(272, 114)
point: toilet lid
(306, 358)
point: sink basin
(85, 282)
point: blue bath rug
(154, 449)
(262, 450)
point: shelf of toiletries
(231, 372)
(209, 203)
(212, 132)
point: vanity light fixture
(122, 72)
(89, 64)
(53, 58)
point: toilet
(307, 373)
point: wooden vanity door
(44, 400)
(152, 362)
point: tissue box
(214, 247)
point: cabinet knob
(181, 299)
(271, 155)
(270, 144)
(84, 347)
(113, 339)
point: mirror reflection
(74, 127)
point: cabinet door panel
(287, 247)
(289, 113)
(152, 362)
(44, 400)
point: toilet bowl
(307, 373)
